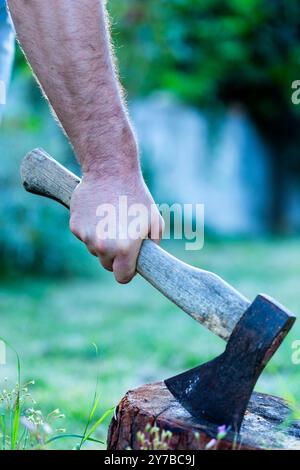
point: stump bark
(268, 423)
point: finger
(106, 262)
(123, 269)
(124, 264)
(106, 253)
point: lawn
(141, 336)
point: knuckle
(85, 238)
(123, 252)
(106, 265)
(101, 247)
(73, 226)
(91, 250)
(123, 249)
(76, 230)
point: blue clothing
(7, 46)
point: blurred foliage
(195, 48)
(209, 53)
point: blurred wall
(190, 159)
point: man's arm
(67, 44)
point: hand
(119, 252)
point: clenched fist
(112, 214)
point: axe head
(219, 391)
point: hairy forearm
(67, 45)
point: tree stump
(268, 423)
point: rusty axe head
(219, 391)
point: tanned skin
(67, 44)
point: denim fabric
(7, 46)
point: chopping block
(268, 423)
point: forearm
(67, 45)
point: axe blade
(219, 391)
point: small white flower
(28, 425)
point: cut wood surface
(268, 423)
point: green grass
(141, 336)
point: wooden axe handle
(201, 294)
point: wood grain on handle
(201, 294)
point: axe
(218, 391)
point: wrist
(113, 150)
(118, 169)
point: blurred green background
(55, 301)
